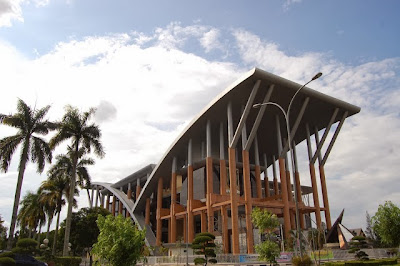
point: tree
(120, 242)
(31, 213)
(75, 126)
(84, 229)
(29, 123)
(203, 244)
(3, 233)
(268, 251)
(356, 244)
(266, 222)
(386, 223)
(59, 177)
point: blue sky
(124, 56)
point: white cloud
(288, 3)
(156, 88)
(11, 10)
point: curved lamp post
(286, 115)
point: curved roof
(317, 114)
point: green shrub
(67, 261)
(301, 261)
(7, 261)
(26, 246)
(334, 263)
(7, 254)
(63, 261)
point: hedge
(7, 261)
(391, 261)
(64, 261)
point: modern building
(232, 158)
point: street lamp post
(286, 115)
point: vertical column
(247, 194)
(92, 198)
(185, 229)
(113, 205)
(97, 196)
(323, 184)
(266, 179)
(138, 188)
(120, 206)
(173, 202)
(313, 181)
(257, 169)
(108, 202)
(290, 193)
(158, 212)
(189, 205)
(276, 187)
(89, 200)
(210, 180)
(286, 213)
(102, 200)
(222, 172)
(203, 221)
(129, 195)
(147, 212)
(233, 189)
(298, 185)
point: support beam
(210, 180)
(120, 206)
(328, 150)
(129, 195)
(189, 206)
(276, 187)
(321, 143)
(89, 200)
(257, 170)
(234, 205)
(147, 212)
(248, 200)
(259, 117)
(173, 202)
(108, 202)
(245, 114)
(222, 177)
(113, 205)
(138, 188)
(298, 185)
(313, 181)
(97, 196)
(293, 129)
(158, 212)
(266, 179)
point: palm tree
(58, 182)
(75, 126)
(32, 212)
(29, 124)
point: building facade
(232, 158)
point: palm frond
(8, 146)
(41, 152)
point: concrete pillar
(97, 196)
(138, 188)
(222, 177)
(276, 187)
(284, 190)
(108, 202)
(189, 207)
(313, 180)
(173, 202)
(233, 188)
(203, 220)
(113, 205)
(120, 206)
(147, 212)
(323, 184)
(129, 195)
(257, 171)
(210, 180)
(248, 204)
(158, 212)
(266, 179)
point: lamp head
(317, 76)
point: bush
(392, 261)
(7, 254)
(63, 261)
(26, 246)
(301, 261)
(7, 261)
